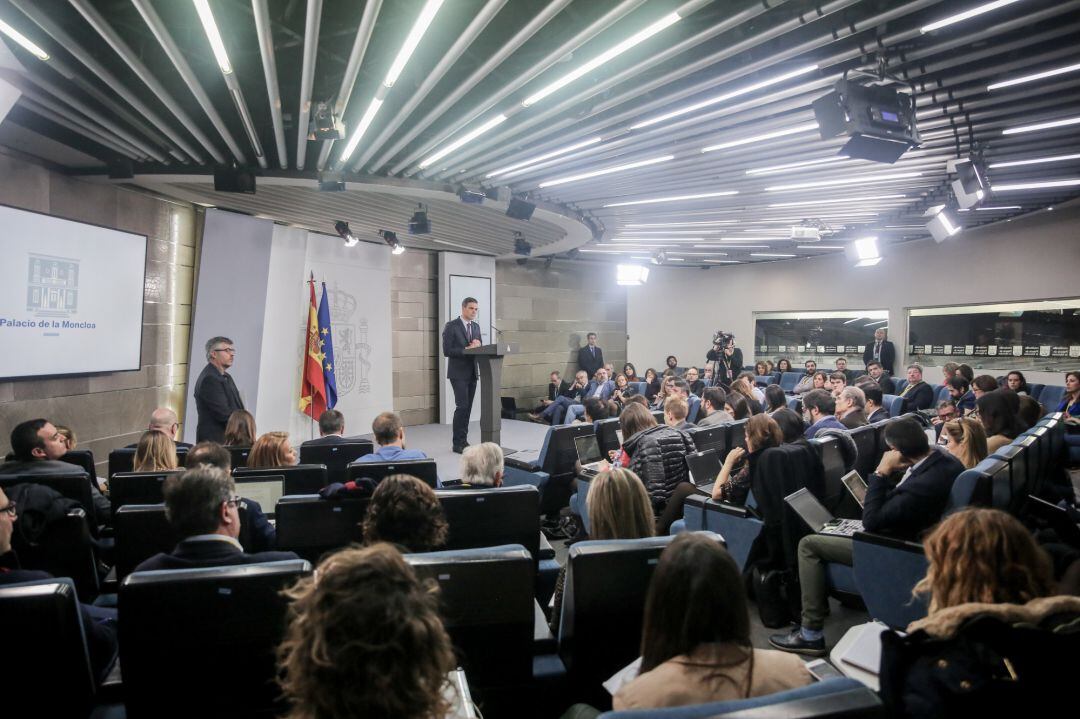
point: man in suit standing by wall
(590, 357)
(216, 396)
(458, 335)
(880, 350)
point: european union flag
(326, 341)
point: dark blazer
(879, 414)
(563, 390)
(102, 507)
(454, 342)
(328, 439)
(886, 384)
(216, 397)
(855, 419)
(916, 505)
(589, 363)
(211, 553)
(888, 355)
(920, 396)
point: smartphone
(822, 670)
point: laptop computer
(854, 484)
(819, 519)
(264, 489)
(588, 453)
(704, 468)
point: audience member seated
(255, 529)
(696, 385)
(71, 440)
(240, 429)
(482, 465)
(156, 452)
(775, 398)
(807, 382)
(364, 639)
(695, 644)
(948, 371)
(1070, 403)
(917, 394)
(619, 508)
(791, 426)
(998, 419)
(272, 450)
(961, 395)
(783, 365)
(630, 372)
(557, 387)
(667, 385)
(203, 509)
(819, 409)
(982, 650)
(754, 396)
(965, 439)
(904, 508)
(850, 407)
(99, 623)
(163, 420)
(737, 473)
(982, 384)
(405, 511)
(712, 408)
(675, 411)
(600, 388)
(595, 410)
(837, 382)
(673, 368)
(761, 369)
(1016, 381)
(621, 392)
(876, 372)
(1031, 411)
(946, 411)
(657, 453)
(331, 429)
(652, 384)
(389, 435)
(873, 410)
(37, 448)
(556, 411)
(965, 371)
(736, 406)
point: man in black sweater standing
(216, 396)
(460, 334)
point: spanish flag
(312, 382)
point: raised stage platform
(435, 441)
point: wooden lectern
(489, 358)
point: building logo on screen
(52, 286)
(351, 350)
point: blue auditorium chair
(886, 571)
(737, 525)
(1012, 495)
(833, 698)
(788, 380)
(1034, 390)
(900, 383)
(551, 469)
(641, 387)
(142, 530)
(1050, 396)
(895, 405)
(311, 526)
(694, 408)
(940, 394)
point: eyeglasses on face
(8, 509)
(234, 501)
(228, 350)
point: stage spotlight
(659, 258)
(325, 124)
(521, 245)
(420, 224)
(390, 238)
(342, 228)
(942, 224)
(519, 209)
(234, 181)
(631, 275)
(864, 251)
(471, 197)
(968, 186)
(879, 119)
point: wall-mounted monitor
(71, 296)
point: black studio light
(420, 224)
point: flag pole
(311, 413)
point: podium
(489, 359)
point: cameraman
(725, 359)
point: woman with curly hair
(364, 639)
(406, 512)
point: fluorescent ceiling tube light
(967, 14)
(361, 128)
(1036, 185)
(726, 96)
(805, 127)
(1034, 77)
(879, 322)
(999, 208)
(819, 247)
(853, 319)
(846, 181)
(838, 201)
(868, 262)
(640, 240)
(770, 254)
(1034, 161)
(681, 224)
(806, 163)
(723, 262)
(467, 137)
(635, 39)
(213, 35)
(607, 171)
(739, 247)
(427, 14)
(1041, 126)
(26, 43)
(674, 198)
(702, 254)
(545, 156)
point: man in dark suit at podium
(458, 335)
